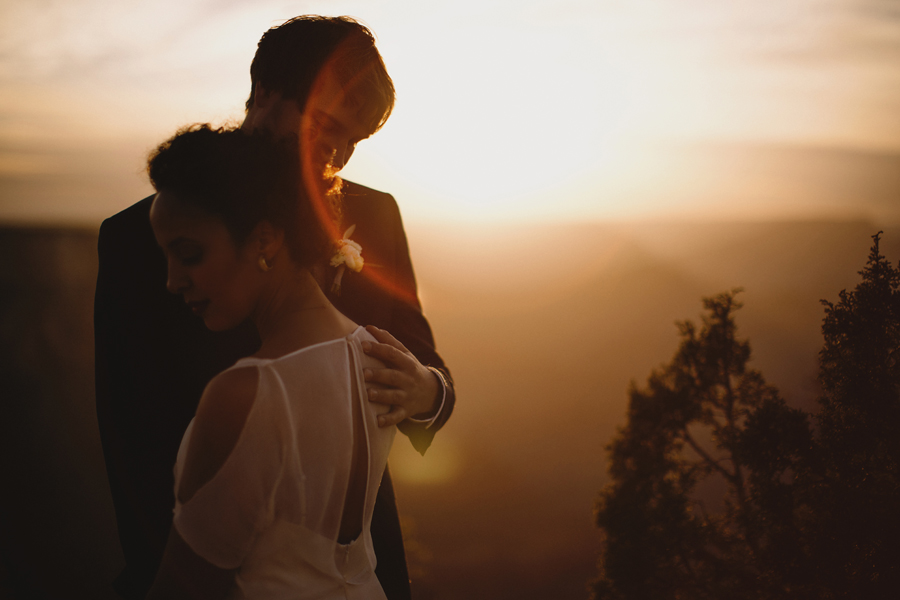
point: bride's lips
(198, 306)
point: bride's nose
(177, 281)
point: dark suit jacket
(154, 358)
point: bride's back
(301, 480)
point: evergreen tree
(798, 517)
(854, 484)
(704, 419)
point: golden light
(443, 464)
(507, 111)
(525, 112)
(487, 128)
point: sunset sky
(528, 110)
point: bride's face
(218, 279)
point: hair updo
(242, 178)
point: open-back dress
(310, 446)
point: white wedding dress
(274, 509)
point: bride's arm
(221, 415)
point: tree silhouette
(854, 484)
(720, 490)
(704, 423)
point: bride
(277, 474)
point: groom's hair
(290, 56)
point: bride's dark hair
(242, 178)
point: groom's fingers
(395, 416)
(393, 378)
(410, 388)
(391, 355)
(395, 396)
(385, 338)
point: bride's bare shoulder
(220, 418)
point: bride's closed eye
(189, 254)
(191, 259)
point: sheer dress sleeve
(224, 518)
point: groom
(323, 79)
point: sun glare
(514, 123)
(597, 112)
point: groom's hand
(410, 388)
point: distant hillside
(543, 327)
(56, 523)
(543, 352)
(49, 183)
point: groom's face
(333, 122)
(329, 127)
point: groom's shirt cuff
(443, 381)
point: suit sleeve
(409, 325)
(140, 522)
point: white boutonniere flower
(348, 254)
